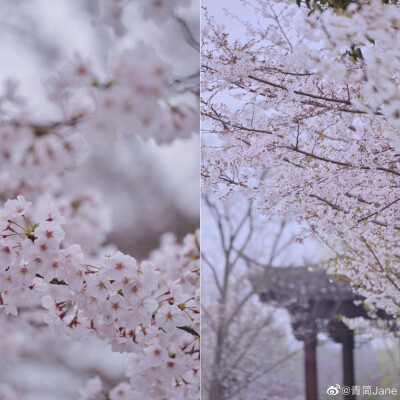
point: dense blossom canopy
(305, 120)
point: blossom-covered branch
(311, 128)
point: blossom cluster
(137, 80)
(369, 32)
(29, 152)
(136, 307)
(133, 92)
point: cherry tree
(53, 235)
(303, 109)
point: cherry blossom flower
(169, 317)
(17, 207)
(123, 391)
(93, 387)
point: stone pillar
(310, 357)
(348, 362)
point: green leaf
(188, 329)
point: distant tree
(236, 327)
